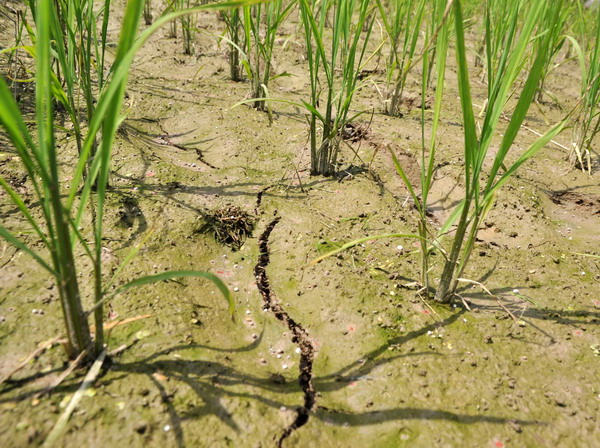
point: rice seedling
(187, 22)
(503, 79)
(188, 29)
(555, 30)
(148, 12)
(235, 36)
(261, 23)
(434, 55)
(346, 56)
(58, 225)
(402, 21)
(587, 123)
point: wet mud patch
(230, 226)
(581, 203)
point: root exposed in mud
(300, 335)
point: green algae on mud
(389, 370)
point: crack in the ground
(165, 140)
(259, 197)
(300, 335)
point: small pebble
(167, 428)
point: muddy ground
(389, 368)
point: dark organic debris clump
(355, 132)
(130, 210)
(230, 226)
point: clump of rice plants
(331, 95)
(435, 55)
(555, 30)
(187, 22)
(188, 29)
(261, 23)
(587, 123)
(480, 188)
(148, 12)
(402, 21)
(235, 36)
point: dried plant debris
(355, 132)
(229, 225)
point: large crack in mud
(300, 335)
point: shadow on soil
(213, 381)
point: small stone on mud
(166, 428)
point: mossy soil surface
(390, 369)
